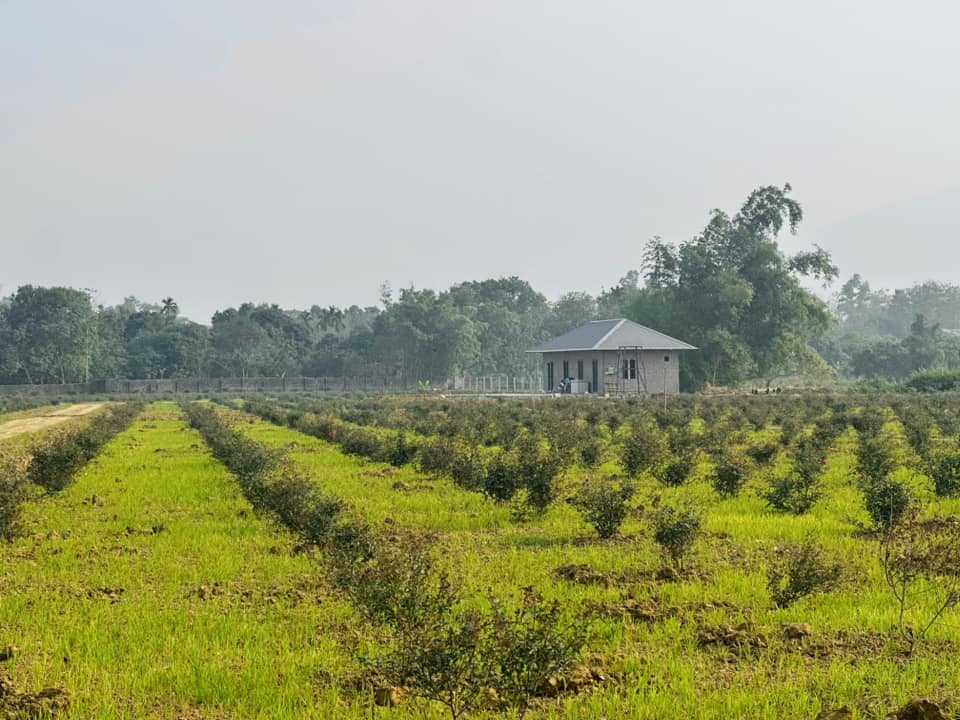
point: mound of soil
(732, 637)
(16, 705)
(576, 680)
(640, 610)
(920, 709)
(583, 575)
(105, 593)
(843, 713)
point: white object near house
(613, 357)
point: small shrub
(603, 504)
(456, 657)
(350, 545)
(246, 458)
(397, 583)
(531, 644)
(675, 532)
(682, 440)
(644, 449)
(763, 451)
(521, 510)
(887, 500)
(944, 468)
(729, 476)
(56, 461)
(467, 469)
(13, 491)
(934, 381)
(301, 506)
(401, 451)
(791, 493)
(809, 455)
(875, 457)
(869, 422)
(675, 471)
(436, 456)
(537, 469)
(797, 492)
(363, 443)
(500, 481)
(590, 453)
(802, 569)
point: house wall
(655, 373)
(572, 357)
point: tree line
(878, 334)
(731, 291)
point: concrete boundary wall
(269, 384)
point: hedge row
(267, 479)
(13, 491)
(530, 464)
(439, 649)
(56, 461)
(933, 381)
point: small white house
(613, 357)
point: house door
(596, 377)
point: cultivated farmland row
(151, 587)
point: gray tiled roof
(610, 335)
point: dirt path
(47, 419)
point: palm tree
(169, 308)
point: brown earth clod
(16, 705)
(797, 631)
(387, 696)
(577, 680)
(106, 593)
(582, 575)
(843, 713)
(733, 637)
(919, 709)
(642, 610)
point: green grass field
(149, 588)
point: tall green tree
(169, 308)
(508, 318)
(570, 311)
(259, 340)
(425, 336)
(48, 335)
(734, 294)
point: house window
(579, 369)
(666, 358)
(633, 369)
(550, 385)
(566, 369)
(626, 371)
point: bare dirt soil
(35, 423)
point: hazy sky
(304, 152)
